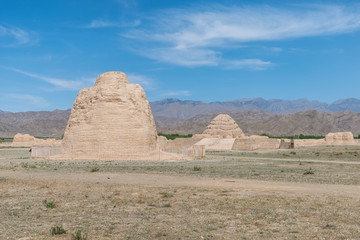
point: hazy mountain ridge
(259, 122)
(177, 109)
(41, 124)
(254, 116)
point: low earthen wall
(250, 144)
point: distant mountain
(351, 104)
(40, 124)
(177, 109)
(259, 122)
(254, 116)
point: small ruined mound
(20, 138)
(28, 140)
(255, 142)
(111, 121)
(340, 138)
(223, 126)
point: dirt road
(246, 186)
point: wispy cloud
(197, 36)
(274, 49)
(26, 98)
(169, 93)
(97, 23)
(127, 3)
(60, 84)
(250, 64)
(184, 57)
(11, 36)
(145, 81)
(101, 24)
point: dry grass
(118, 210)
(246, 165)
(112, 211)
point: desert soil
(300, 194)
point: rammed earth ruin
(112, 121)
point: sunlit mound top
(224, 126)
(111, 79)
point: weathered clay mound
(28, 140)
(255, 142)
(20, 138)
(111, 121)
(223, 126)
(340, 138)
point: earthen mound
(20, 138)
(340, 138)
(111, 121)
(223, 126)
(28, 141)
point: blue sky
(198, 50)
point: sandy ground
(142, 200)
(154, 180)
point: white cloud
(144, 81)
(170, 93)
(274, 49)
(214, 28)
(61, 84)
(190, 37)
(184, 57)
(28, 99)
(127, 3)
(101, 24)
(12, 36)
(250, 64)
(105, 24)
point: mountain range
(254, 116)
(177, 109)
(310, 122)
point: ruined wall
(255, 143)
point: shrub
(57, 230)
(166, 194)
(95, 169)
(197, 168)
(309, 171)
(79, 236)
(49, 204)
(27, 165)
(173, 136)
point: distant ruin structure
(26, 140)
(340, 138)
(224, 134)
(222, 126)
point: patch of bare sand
(249, 186)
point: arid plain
(309, 193)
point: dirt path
(292, 160)
(241, 185)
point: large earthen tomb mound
(111, 121)
(223, 126)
